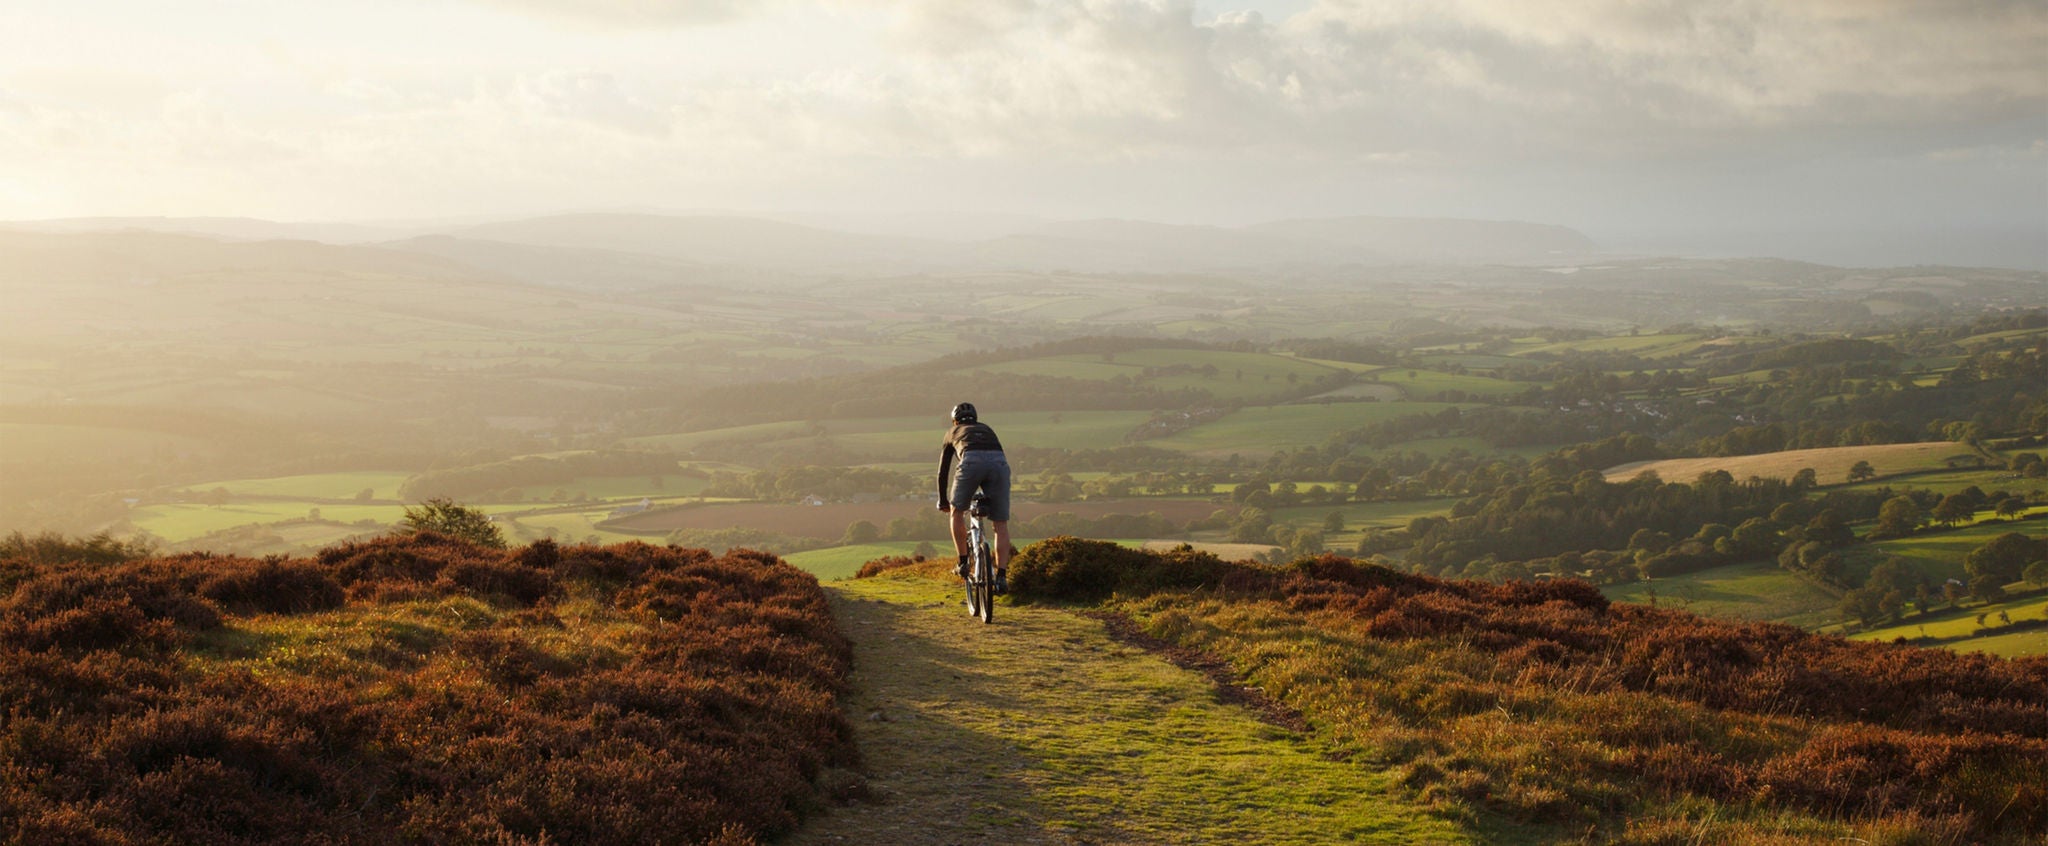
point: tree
(862, 531)
(1805, 479)
(1987, 588)
(366, 494)
(2010, 507)
(1863, 604)
(1333, 522)
(443, 516)
(2004, 557)
(1253, 525)
(1898, 517)
(2036, 573)
(924, 550)
(1861, 470)
(1952, 509)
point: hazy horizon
(1889, 132)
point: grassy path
(1041, 729)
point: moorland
(1527, 490)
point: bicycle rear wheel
(983, 585)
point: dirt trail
(1042, 729)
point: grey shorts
(989, 471)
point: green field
(1962, 623)
(176, 522)
(1424, 384)
(1238, 376)
(620, 487)
(1950, 481)
(382, 485)
(1647, 346)
(897, 438)
(1758, 590)
(1939, 554)
(1258, 430)
(841, 562)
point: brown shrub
(713, 730)
(271, 586)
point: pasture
(177, 522)
(1830, 464)
(1758, 590)
(1427, 384)
(316, 486)
(1258, 430)
(1940, 553)
(1646, 346)
(1228, 376)
(1971, 636)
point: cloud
(648, 102)
(638, 13)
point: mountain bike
(981, 564)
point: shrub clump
(1077, 570)
(689, 698)
(1546, 701)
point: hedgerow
(418, 689)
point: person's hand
(945, 509)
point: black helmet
(963, 413)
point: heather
(1543, 704)
(418, 689)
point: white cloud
(653, 103)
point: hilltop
(425, 686)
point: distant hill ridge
(997, 243)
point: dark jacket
(963, 438)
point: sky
(1751, 126)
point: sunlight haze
(1704, 126)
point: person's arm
(945, 470)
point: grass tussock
(418, 689)
(1544, 703)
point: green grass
(620, 487)
(1040, 723)
(382, 485)
(1962, 623)
(1939, 554)
(1358, 515)
(2013, 645)
(1239, 376)
(1262, 429)
(685, 441)
(175, 522)
(1647, 346)
(1757, 590)
(1425, 384)
(841, 562)
(1950, 481)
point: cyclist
(972, 459)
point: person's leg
(1002, 544)
(962, 497)
(959, 516)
